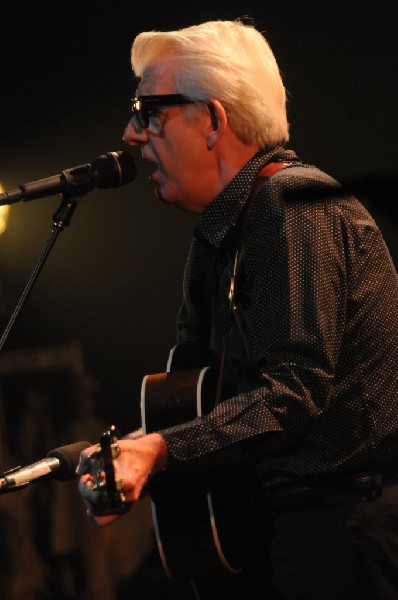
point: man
(290, 287)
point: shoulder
(304, 187)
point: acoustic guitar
(195, 519)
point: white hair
(231, 62)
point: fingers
(91, 501)
(99, 503)
(85, 462)
(132, 465)
(87, 490)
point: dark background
(113, 280)
(111, 285)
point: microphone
(109, 170)
(60, 463)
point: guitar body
(193, 518)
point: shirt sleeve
(286, 334)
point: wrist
(161, 452)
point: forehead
(158, 77)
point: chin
(164, 197)
(184, 205)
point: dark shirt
(312, 349)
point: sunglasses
(145, 106)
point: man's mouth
(155, 175)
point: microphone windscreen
(69, 457)
(114, 169)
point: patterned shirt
(312, 342)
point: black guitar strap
(265, 173)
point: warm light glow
(4, 210)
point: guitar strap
(262, 176)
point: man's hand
(138, 459)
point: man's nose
(134, 135)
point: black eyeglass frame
(144, 106)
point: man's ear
(217, 124)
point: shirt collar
(224, 211)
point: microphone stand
(61, 219)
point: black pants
(342, 547)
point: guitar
(195, 520)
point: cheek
(176, 161)
(183, 159)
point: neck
(232, 157)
